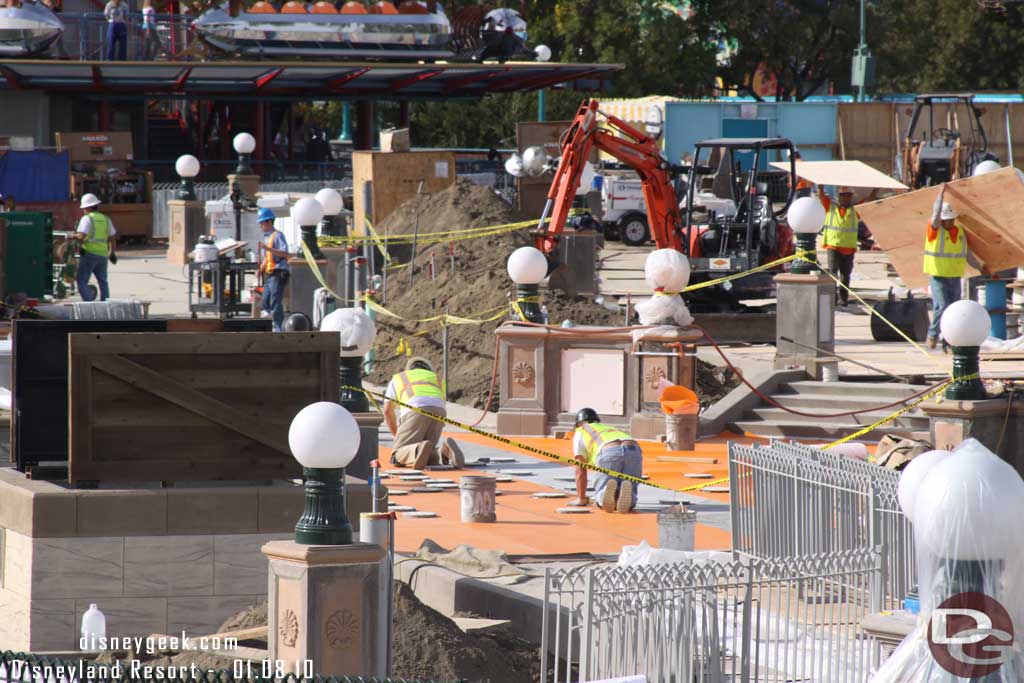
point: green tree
(804, 44)
(944, 45)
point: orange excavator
(733, 225)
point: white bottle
(94, 630)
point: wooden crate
(192, 406)
(394, 177)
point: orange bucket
(678, 400)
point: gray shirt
(116, 13)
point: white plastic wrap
(644, 554)
(662, 309)
(667, 270)
(356, 329)
(967, 508)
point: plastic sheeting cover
(36, 176)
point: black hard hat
(587, 415)
(297, 322)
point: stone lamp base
(327, 610)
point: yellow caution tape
(532, 449)
(758, 269)
(525, 300)
(874, 312)
(491, 314)
(381, 247)
(901, 411)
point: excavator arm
(633, 148)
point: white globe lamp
(965, 325)
(912, 476)
(986, 166)
(357, 332)
(307, 214)
(244, 145)
(324, 438)
(187, 167)
(806, 216)
(535, 160)
(527, 266)
(514, 166)
(332, 202)
(543, 53)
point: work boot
(451, 454)
(930, 343)
(609, 495)
(625, 501)
(424, 456)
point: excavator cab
(933, 155)
(735, 204)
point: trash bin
(677, 526)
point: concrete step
(882, 390)
(825, 403)
(817, 430)
(911, 419)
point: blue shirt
(280, 243)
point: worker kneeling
(416, 432)
(609, 448)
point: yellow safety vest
(841, 231)
(96, 242)
(418, 382)
(944, 256)
(596, 435)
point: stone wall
(153, 560)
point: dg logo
(970, 635)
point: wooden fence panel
(192, 406)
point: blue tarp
(36, 176)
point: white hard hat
(89, 200)
(948, 213)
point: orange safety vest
(268, 258)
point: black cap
(587, 415)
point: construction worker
(840, 236)
(99, 241)
(612, 449)
(416, 433)
(274, 266)
(945, 258)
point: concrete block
(53, 625)
(72, 567)
(209, 511)
(127, 616)
(509, 423)
(534, 424)
(122, 513)
(17, 559)
(280, 507)
(15, 508)
(54, 515)
(239, 567)
(163, 566)
(14, 626)
(203, 615)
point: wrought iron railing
(738, 622)
(789, 500)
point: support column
(325, 607)
(364, 125)
(542, 105)
(187, 222)
(998, 426)
(805, 321)
(346, 122)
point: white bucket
(477, 498)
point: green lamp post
(324, 438)
(965, 325)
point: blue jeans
(945, 291)
(625, 457)
(273, 297)
(117, 35)
(89, 265)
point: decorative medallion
(342, 628)
(653, 376)
(522, 373)
(289, 628)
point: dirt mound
(461, 206)
(473, 284)
(425, 645)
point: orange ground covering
(528, 525)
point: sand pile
(476, 286)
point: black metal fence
(22, 667)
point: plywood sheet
(990, 207)
(852, 173)
(192, 406)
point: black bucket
(910, 316)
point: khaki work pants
(416, 440)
